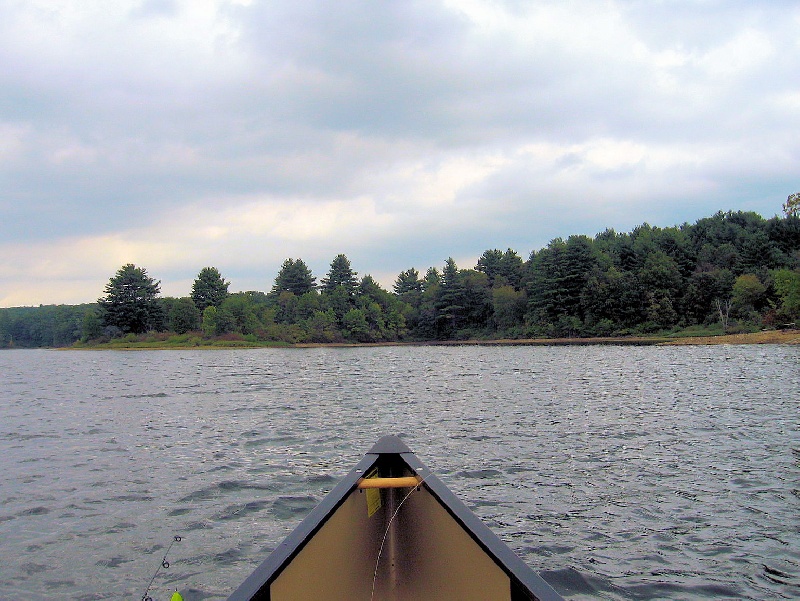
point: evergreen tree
(449, 301)
(544, 292)
(502, 268)
(490, 263)
(209, 289)
(370, 290)
(408, 282)
(476, 297)
(294, 277)
(559, 275)
(433, 279)
(339, 301)
(131, 301)
(341, 275)
(511, 269)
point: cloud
(182, 133)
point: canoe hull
(393, 543)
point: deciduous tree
(787, 287)
(183, 316)
(748, 294)
(792, 205)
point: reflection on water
(617, 472)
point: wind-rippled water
(616, 472)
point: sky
(181, 134)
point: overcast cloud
(179, 134)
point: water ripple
(618, 472)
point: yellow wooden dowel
(403, 482)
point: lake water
(616, 472)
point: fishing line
(386, 534)
(164, 564)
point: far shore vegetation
(689, 336)
(733, 277)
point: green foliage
(730, 272)
(355, 327)
(433, 279)
(92, 326)
(501, 268)
(218, 322)
(307, 305)
(489, 263)
(787, 288)
(508, 308)
(42, 326)
(341, 276)
(183, 316)
(408, 286)
(286, 305)
(294, 277)
(5, 329)
(209, 324)
(243, 312)
(749, 296)
(131, 301)
(339, 301)
(792, 205)
(449, 301)
(209, 289)
(322, 327)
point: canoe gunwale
(525, 583)
(523, 578)
(256, 586)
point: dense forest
(729, 272)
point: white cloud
(737, 58)
(12, 141)
(185, 133)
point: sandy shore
(767, 337)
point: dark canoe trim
(526, 585)
(523, 578)
(256, 586)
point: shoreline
(765, 337)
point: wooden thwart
(403, 482)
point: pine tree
(294, 277)
(209, 289)
(341, 275)
(407, 282)
(131, 301)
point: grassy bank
(161, 342)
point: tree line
(727, 272)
